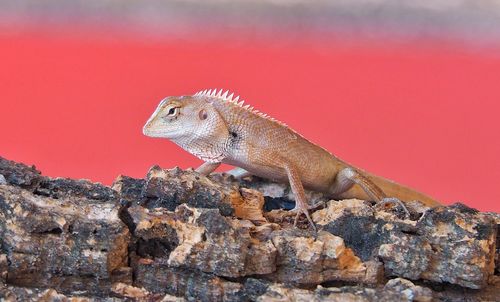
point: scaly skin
(218, 129)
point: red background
(423, 114)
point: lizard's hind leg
(238, 173)
(348, 177)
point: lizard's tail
(391, 189)
(403, 193)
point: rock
(14, 294)
(451, 244)
(410, 290)
(127, 291)
(60, 188)
(249, 206)
(120, 292)
(256, 290)
(71, 244)
(360, 225)
(177, 235)
(17, 174)
(446, 292)
(454, 244)
(169, 188)
(276, 195)
(496, 218)
(50, 295)
(3, 181)
(172, 187)
(305, 260)
(202, 239)
(130, 189)
(158, 277)
(4, 267)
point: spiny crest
(226, 97)
(220, 95)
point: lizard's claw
(396, 201)
(306, 212)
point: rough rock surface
(65, 241)
(176, 235)
(452, 244)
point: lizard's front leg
(301, 205)
(207, 168)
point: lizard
(218, 127)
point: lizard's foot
(299, 209)
(384, 203)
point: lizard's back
(261, 144)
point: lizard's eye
(173, 111)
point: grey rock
(60, 188)
(257, 290)
(169, 188)
(69, 244)
(4, 267)
(453, 244)
(18, 174)
(159, 277)
(411, 291)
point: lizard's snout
(146, 129)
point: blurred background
(408, 90)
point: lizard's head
(185, 117)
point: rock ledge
(176, 235)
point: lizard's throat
(208, 151)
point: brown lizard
(218, 128)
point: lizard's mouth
(151, 129)
(146, 130)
